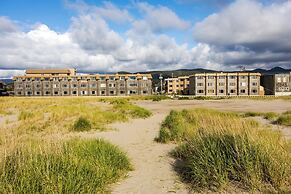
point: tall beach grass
(77, 166)
(217, 150)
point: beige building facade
(222, 84)
(179, 85)
(65, 82)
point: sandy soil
(153, 172)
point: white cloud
(93, 34)
(10, 73)
(160, 18)
(227, 39)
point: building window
(284, 79)
(200, 91)
(37, 93)
(83, 85)
(232, 91)
(210, 91)
(93, 92)
(56, 92)
(209, 84)
(221, 84)
(111, 92)
(103, 85)
(37, 85)
(93, 86)
(122, 92)
(199, 77)
(132, 78)
(221, 91)
(199, 84)
(254, 77)
(47, 93)
(47, 85)
(47, 79)
(170, 90)
(122, 77)
(112, 78)
(242, 91)
(279, 80)
(102, 92)
(221, 77)
(133, 84)
(170, 86)
(243, 77)
(254, 91)
(102, 78)
(132, 92)
(65, 92)
(111, 85)
(74, 85)
(83, 92)
(254, 83)
(65, 86)
(231, 77)
(144, 92)
(210, 77)
(28, 93)
(144, 78)
(55, 85)
(232, 84)
(74, 92)
(243, 84)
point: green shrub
(81, 124)
(79, 166)
(124, 107)
(288, 112)
(270, 116)
(284, 119)
(252, 114)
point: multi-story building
(179, 85)
(2, 88)
(65, 82)
(277, 84)
(222, 84)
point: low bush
(124, 107)
(81, 124)
(270, 116)
(79, 166)
(284, 119)
(252, 114)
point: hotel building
(65, 82)
(178, 85)
(277, 84)
(222, 84)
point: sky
(133, 35)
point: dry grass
(217, 149)
(41, 122)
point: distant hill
(7, 81)
(185, 72)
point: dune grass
(51, 114)
(219, 149)
(78, 166)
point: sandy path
(152, 165)
(153, 171)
